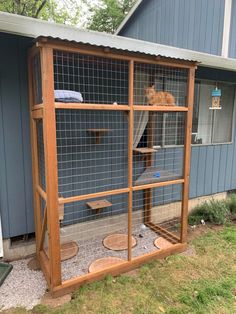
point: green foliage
(67, 12)
(216, 212)
(109, 14)
(231, 203)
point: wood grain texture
(49, 130)
(187, 155)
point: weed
(216, 212)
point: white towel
(61, 94)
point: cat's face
(150, 91)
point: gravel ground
(23, 287)
(93, 249)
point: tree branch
(40, 8)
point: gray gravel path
(23, 287)
(93, 249)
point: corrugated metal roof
(29, 27)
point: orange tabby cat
(159, 98)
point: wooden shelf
(98, 205)
(144, 150)
(149, 176)
(98, 133)
(160, 108)
(86, 106)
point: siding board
(208, 170)
(15, 177)
(190, 24)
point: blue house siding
(190, 24)
(213, 167)
(16, 205)
(232, 38)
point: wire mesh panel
(158, 146)
(41, 158)
(156, 218)
(96, 80)
(37, 79)
(92, 151)
(99, 228)
(159, 85)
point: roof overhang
(33, 28)
(128, 16)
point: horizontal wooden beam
(37, 114)
(84, 106)
(115, 54)
(161, 108)
(162, 231)
(92, 195)
(157, 184)
(38, 106)
(71, 284)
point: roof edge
(128, 16)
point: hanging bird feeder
(216, 97)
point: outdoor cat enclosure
(110, 171)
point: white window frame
(233, 115)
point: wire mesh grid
(158, 146)
(99, 80)
(156, 217)
(41, 158)
(37, 79)
(88, 223)
(92, 151)
(159, 85)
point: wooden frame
(51, 265)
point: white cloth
(140, 123)
(67, 94)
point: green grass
(198, 284)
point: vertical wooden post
(147, 193)
(35, 165)
(50, 149)
(187, 155)
(130, 156)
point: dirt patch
(51, 302)
(133, 273)
(198, 230)
(33, 264)
(189, 252)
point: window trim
(197, 80)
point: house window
(212, 126)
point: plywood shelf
(98, 133)
(144, 150)
(98, 205)
(87, 106)
(160, 108)
(150, 176)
